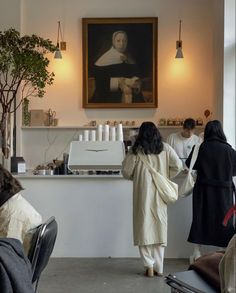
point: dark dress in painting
(107, 71)
(213, 193)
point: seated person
(15, 267)
(182, 142)
(17, 217)
(219, 268)
(227, 267)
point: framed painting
(120, 62)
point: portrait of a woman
(120, 67)
(116, 74)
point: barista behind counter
(182, 142)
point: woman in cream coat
(18, 218)
(149, 210)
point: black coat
(213, 193)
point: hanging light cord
(180, 30)
(59, 33)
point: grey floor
(103, 275)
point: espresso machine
(96, 157)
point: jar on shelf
(199, 121)
(170, 122)
(162, 122)
(25, 112)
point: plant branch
(22, 63)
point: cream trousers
(153, 256)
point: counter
(41, 145)
(94, 215)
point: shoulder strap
(167, 189)
(151, 169)
(194, 156)
(146, 164)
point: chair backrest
(42, 245)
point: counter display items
(96, 152)
(100, 152)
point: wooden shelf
(95, 127)
(70, 127)
(58, 127)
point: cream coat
(18, 220)
(148, 226)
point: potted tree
(23, 74)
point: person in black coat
(214, 190)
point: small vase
(6, 137)
(25, 112)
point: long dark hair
(149, 140)
(9, 185)
(214, 129)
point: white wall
(218, 59)
(9, 14)
(229, 106)
(185, 86)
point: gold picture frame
(120, 62)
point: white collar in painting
(112, 56)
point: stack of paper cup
(113, 133)
(120, 136)
(86, 135)
(81, 137)
(106, 132)
(93, 135)
(99, 132)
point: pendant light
(61, 45)
(179, 52)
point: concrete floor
(104, 275)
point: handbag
(187, 185)
(167, 189)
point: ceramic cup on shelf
(42, 172)
(49, 172)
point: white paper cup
(93, 135)
(113, 133)
(106, 132)
(86, 135)
(99, 132)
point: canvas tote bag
(167, 189)
(187, 185)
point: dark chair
(188, 282)
(42, 245)
(202, 276)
